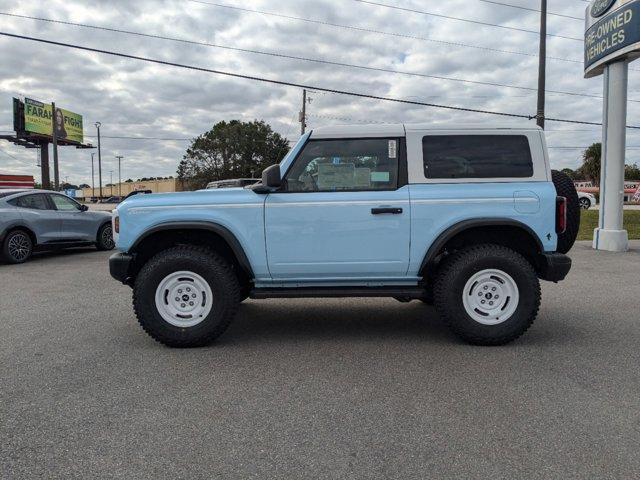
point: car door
(342, 213)
(76, 226)
(39, 216)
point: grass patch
(589, 221)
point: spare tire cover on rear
(565, 188)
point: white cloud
(136, 98)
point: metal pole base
(611, 240)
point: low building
(16, 181)
(167, 185)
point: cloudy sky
(136, 99)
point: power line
(8, 154)
(382, 32)
(369, 30)
(142, 138)
(520, 7)
(306, 59)
(476, 22)
(293, 84)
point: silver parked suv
(39, 219)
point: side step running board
(337, 292)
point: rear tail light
(561, 214)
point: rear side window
(34, 202)
(476, 156)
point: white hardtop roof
(399, 129)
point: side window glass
(63, 203)
(477, 156)
(33, 202)
(345, 165)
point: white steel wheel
(184, 299)
(490, 297)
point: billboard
(37, 119)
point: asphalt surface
(336, 389)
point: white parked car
(587, 200)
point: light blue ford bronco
(468, 218)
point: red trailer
(16, 181)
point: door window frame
(402, 177)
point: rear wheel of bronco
(565, 188)
(487, 294)
(186, 296)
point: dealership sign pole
(612, 40)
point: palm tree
(591, 163)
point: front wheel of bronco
(487, 294)
(186, 296)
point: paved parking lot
(365, 388)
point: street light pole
(97, 124)
(119, 157)
(111, 182)
(93, 178)
(542, 64)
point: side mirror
(271, 177)
(83, 208)
(271, 180)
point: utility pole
(119, 157)
(97, 124)
(111, 182)
(542, 64)
(93, 177)
(44, 165)
(303, 113)
(56, 173)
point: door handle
(386, 210)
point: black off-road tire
(428, 297)
(214, 269)
(17, 247)
(104, 240)
(565, 188)
(460, 267)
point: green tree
(570, 173)
(632, 172)
(591, 163)
(231, 149)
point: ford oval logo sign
(600, 7)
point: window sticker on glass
(336, 176)
(379, 176)
(393, 148)
(363, 177)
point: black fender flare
(460, 227)
(218, 229)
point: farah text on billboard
(38, 119)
